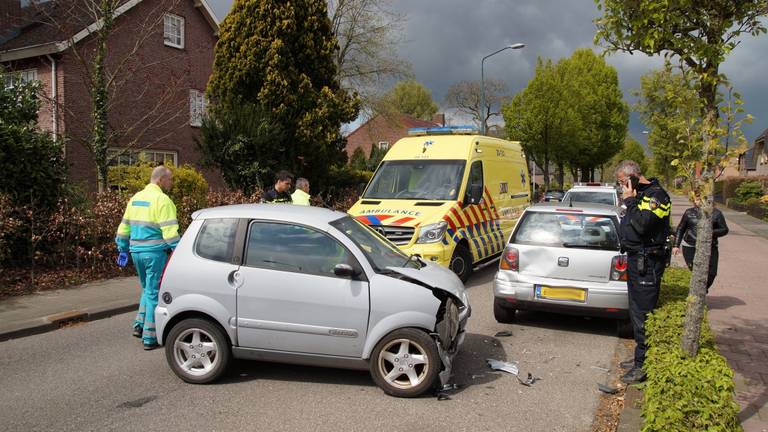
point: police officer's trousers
(149, 266)
(643, 289)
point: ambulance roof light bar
(445, 130)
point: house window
(24, 76)
(197, 107)
(383, 145)
(173, 31)
(119, 156)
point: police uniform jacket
(645, 224)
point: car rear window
(216, 239)
(573, 230)
(592, 197)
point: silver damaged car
(308, 286)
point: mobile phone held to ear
(635, 181)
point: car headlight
(432, 233)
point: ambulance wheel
(461, 262)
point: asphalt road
(95, 376)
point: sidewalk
(738, 302)
(49, 310)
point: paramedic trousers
(643, 283)
(149, 266)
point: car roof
(591, 208)
(306, 215)
(593, 189)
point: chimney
(439, 118)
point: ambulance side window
(475, 183)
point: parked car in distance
(565, 260)
(309, 286)
(597, 193)
(553, 195)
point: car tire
(401, 347)
(502, 313)
(461, 262)
(624, 329)
(197, 351)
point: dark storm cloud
(445, 41)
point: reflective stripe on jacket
(149, 222)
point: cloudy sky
(444, 40)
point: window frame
(134, 153)
(181, 36)
(196, 113)
(24, 75)
(355, 262)
(383, 145)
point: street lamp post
(482, 83)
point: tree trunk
(561, 174)
(694, 314)
(545, 172)
(100, 97)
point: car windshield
(592, 197)
(422, 180)
(572, 230)
(379, 251)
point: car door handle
(235, 279)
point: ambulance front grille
(398, 235)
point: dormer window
(173, 31)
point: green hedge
(684, 394)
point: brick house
(160, 56)
(754, 162)
(384, 130)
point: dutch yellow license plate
(553, 293)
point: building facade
(384, 130)
(159, 59)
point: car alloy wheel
(405, 363)
(197, 351)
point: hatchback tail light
(510, 259)
(619, 268)
(162, 275)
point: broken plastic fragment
(443, 396)
(528, 381)
(600, 368)
(503, 334)
(502, 366)
(606, 389)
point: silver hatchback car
(564, 259)
(308, 286)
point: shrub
(748, 190)
(682, 393)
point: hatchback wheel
(405, 363)
(461, 262)
(502, 313)
(624, 329)
(197, 351)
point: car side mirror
(474, 194)
(345, 270)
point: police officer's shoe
(627, 364)
(635, 375)
(137, 332)
(150, 347)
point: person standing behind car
(279, 194)
(644, 230)
(149, 230)
(686, 237)
(301, 195)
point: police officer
(280, 193)
(644, 231)
(149, 230)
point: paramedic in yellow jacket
(149, 230)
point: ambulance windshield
(417, 180)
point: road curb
(58, 320)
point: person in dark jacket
(281, 192)
(686, 237)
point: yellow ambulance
(448, 195)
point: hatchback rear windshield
(592, 197)
(570, 230)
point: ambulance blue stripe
(373, 220)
